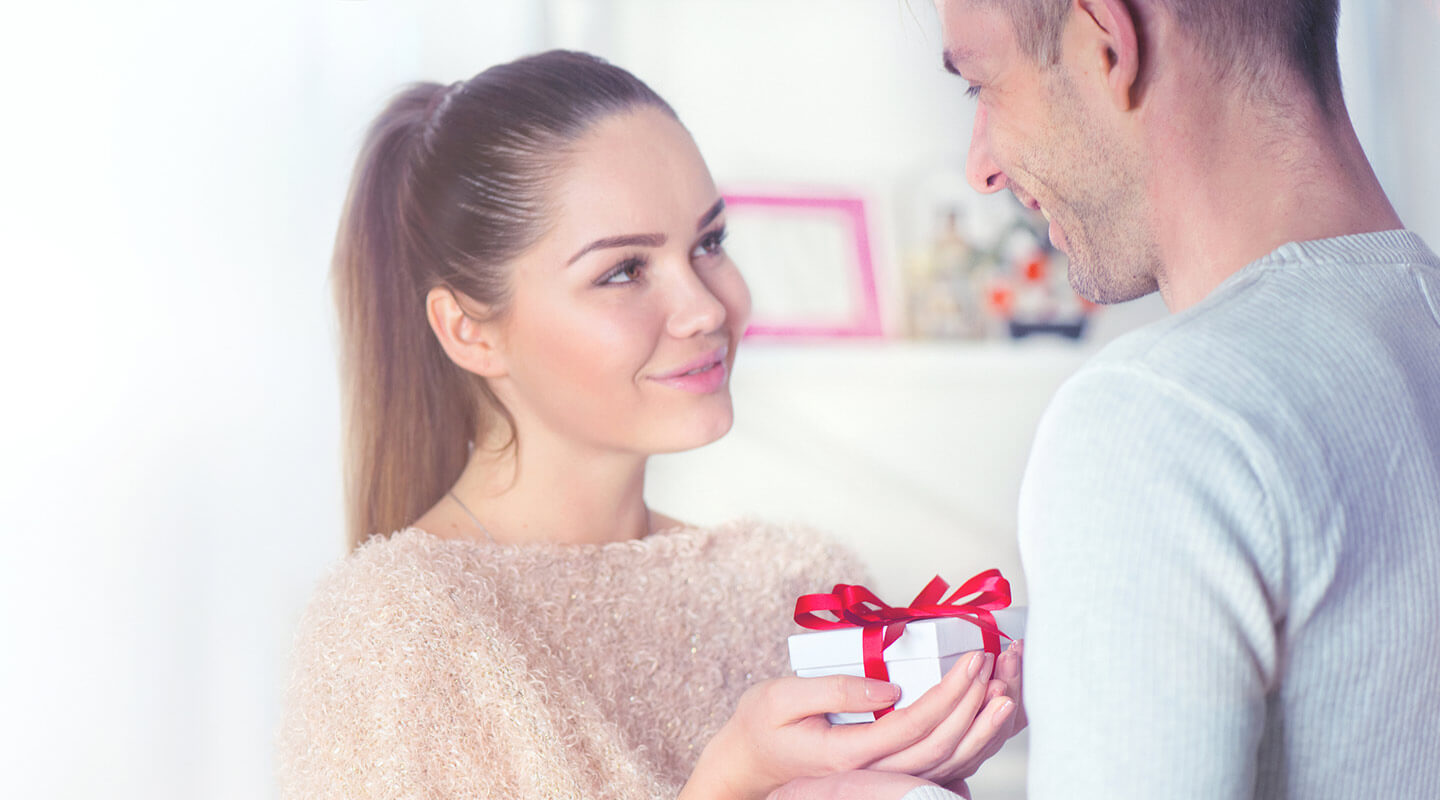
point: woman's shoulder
(390, 582)
(401, 649)
(400, 562)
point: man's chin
(1107, 293)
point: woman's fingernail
(1009, 663)
(989, 668)
(880, 690)
(1002, 709)
(973, 667)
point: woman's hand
(956, 750)
(778, 732)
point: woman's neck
(546, 490)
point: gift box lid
(931, 638)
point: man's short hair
(1246, 40)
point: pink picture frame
(790, 230)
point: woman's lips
(700, 376)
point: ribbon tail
(872, 645)
(989, 634)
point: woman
(535, 297)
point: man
(1230, 523)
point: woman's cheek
(735, 295)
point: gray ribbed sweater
(1230, 526)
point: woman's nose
(694, 307)
(981, 170)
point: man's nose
(981, 170)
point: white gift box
(916, 661)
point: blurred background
(170, 179)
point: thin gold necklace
(471, 515)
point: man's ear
(469, 336)
(1112, 35)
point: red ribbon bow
(882, 624)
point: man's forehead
(972, 32)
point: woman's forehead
(635, 162)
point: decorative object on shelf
(976, 267)
(943, 284)
(1033, 295)
(808, 261)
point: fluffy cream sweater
(432, 668)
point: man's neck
(1239, 182)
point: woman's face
(624, 319)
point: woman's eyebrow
(642, 239)
(709, 216)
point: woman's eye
(973, 90)
(710, 244)
(628, 271)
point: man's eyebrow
(709, 216)
(641, 239)
(953, 55)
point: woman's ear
(469, 336)
(1110, 29)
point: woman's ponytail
(408, 411)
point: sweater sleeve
(394, 694)
(1148, 541)
(930, 793)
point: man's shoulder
(1298, 320)
(1283, 360)
(1209, 350)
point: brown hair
(1245, 39)
(451, 185)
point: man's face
(1051, 139)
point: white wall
(1388, 61)
(169, 484)
(170, 176)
